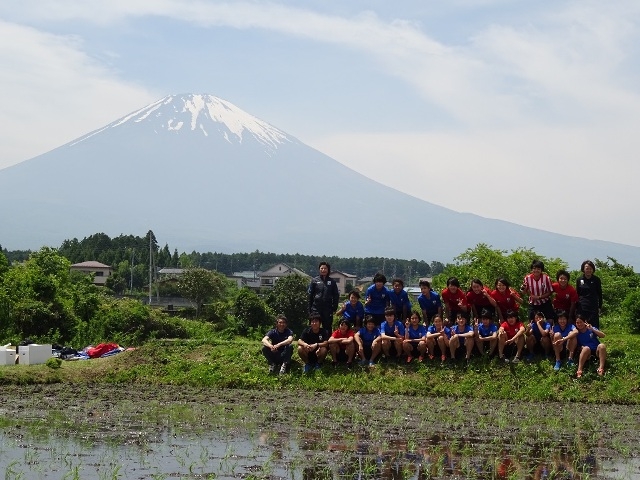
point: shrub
(631, 310)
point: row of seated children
(542, 295)
(396, 340)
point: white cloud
(52, 92)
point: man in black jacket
(324, 296)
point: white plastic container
(34, 354)
(7, 356)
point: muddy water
(142, 432)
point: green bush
(251, 312)
(631, 310)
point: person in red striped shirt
(566, 297)
(537, 285)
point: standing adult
(324, 296)
(537, 285)
(589, 290)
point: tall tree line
(130, 257)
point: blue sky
(523, 111)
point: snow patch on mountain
(204, 114)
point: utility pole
(150, 266)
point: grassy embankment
(239, 364)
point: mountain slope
(206, 176)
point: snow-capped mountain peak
(203, 114)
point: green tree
(200, 285)
(251, 312)
(489, 264)
(618, 281)
(289, 297)
(38, 299)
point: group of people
(563, 321)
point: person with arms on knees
(538, 334)
(454, 300)
(429, 301)
(506, 298)
(342, 344)
(479, 298)
(415, 339)
(368, 342)
(589, 345)
(589, 290)
(537, 285)
(461, 341)
(399, 299)
(564, 339)
(511, 338)
(377, 298)
(391, 334)
(352, 310)
(438, 335)
(566, 297)
(324, 296)
(486, 331)
(313, 344)
(276, 346)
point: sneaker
(504, 359)
(371, 364)
(318, 366)
(272, 368)
(349, 365)
(557, 366)
(570, 362)
(307, 368)
(409, 359)
(283, 369)
(516, 359)
(529, 357)
(363, 363)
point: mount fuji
(205, 175)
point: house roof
(90, 264)
(171, 271)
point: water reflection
(300, 454)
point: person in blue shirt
(352, 310)
(438, 339)
(276, 346)
(392, 334)
(415, 339)
(399, 299)
(461, 341)
(589, 344)
(564, 339)
(429, 301)
(486, 334)
(368, 342)
(377, 298)
(538, 334)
